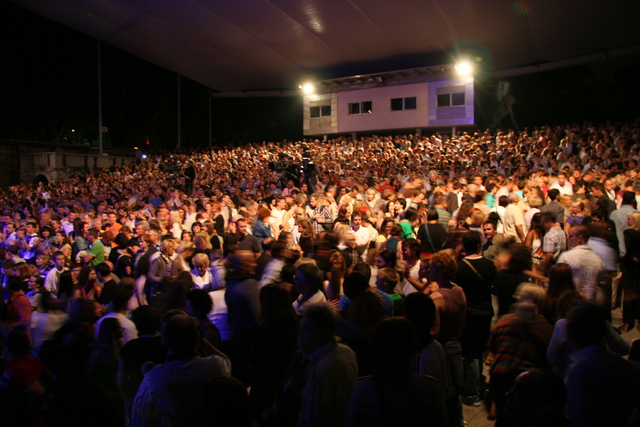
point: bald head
(243, 262)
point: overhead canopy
(232, 45)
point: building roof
(236, 45)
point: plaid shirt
(325, 218)
(555, 241)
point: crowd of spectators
(342, 282)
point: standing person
(519, 342)
(554, 242)
(475, 276)
(553, 207)
(242, 298)
(160, 267)
(394, 388)
(332, 370)
(451, 307)
(631, 271)
(619, 217)
(514, 223)
(53, 276)
(319, 215)
(95, 252)
(587, 268)
(246, 242)
(431, 234)
(262, 228)
(173, 392)
(18, 306)
(189, 177)
(601, 386)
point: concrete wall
(58, 165)
(381, 116)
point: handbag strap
(475, 271)
(426, 228)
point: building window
(451, 99)
(457, 99)
(444, 100)
(319, 111)
(399, 104)
(410, 103)
(363, 107)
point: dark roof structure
(266, 45)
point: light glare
(307, 88)
(463, 68)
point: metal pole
(179, 111)
(99, 98)
(209, 118)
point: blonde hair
(200, 259)
(635, 217)
(201, 241)
(341, 229)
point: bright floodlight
(307, 88)
(463, 68)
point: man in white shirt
(361, 233)
(52, 278)
(117, 310)
(587, 269)
(514, 223)
(563, 185)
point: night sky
(49, 87)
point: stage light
(464, 68)
(307, 88)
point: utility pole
(179, 138)
(99, 98)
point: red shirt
(19, 309)
(24, 371)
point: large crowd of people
(341, 282)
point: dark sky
(49, 87)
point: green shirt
(97, 250)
